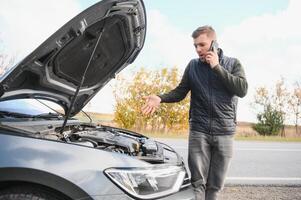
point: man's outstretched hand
(151, 104)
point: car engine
(122, 141)
(99, 137)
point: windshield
(29, 106)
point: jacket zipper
(210, 100)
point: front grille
(186, 183)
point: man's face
(202, 44)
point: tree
(270, 121)
(6, 61)
(272, 105)
(294, 103)
(129, 95)
(280, 100)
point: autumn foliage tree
(277, 106)
(295, 105)
(273, 106)
(129, 95)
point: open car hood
(107, 36)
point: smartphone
(213, 46)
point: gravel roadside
(261, 192)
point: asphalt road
(259, 163)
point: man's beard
(203, 59)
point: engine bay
(99, 137)
(119, 141)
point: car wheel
(28, 193)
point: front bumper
(184, 194)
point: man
(215, 82)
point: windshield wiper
(55, 111)
(22, 115)
(14, 114)
(49, 115)
(87, 116)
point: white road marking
(265, 178)
(267, 149)
(253, 149)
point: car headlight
(148, 183)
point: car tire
(28, 193)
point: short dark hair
(204, 29)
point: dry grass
(98, 118)
(244, 130)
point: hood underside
(101, 40)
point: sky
(263, 34)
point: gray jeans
(208, 159)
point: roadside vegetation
(5, 61)
(129, 95)
(244, 130)
(275, 107)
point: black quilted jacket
(214, 94)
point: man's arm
(235, 81)
(180, 92)
(175, 95)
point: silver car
(46, 155)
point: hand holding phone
(213, 46)
(212, 56)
